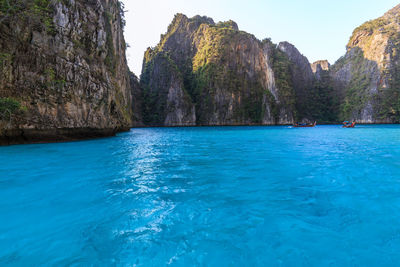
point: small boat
(303, 125)
(347, 124)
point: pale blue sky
(320, 29)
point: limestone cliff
(63, 71)
(302, 78)
(314, 97)
(368, 76)
(318, 67)
(137, 101)
(203, 73)
(63, 74)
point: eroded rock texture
(63, 71)
(368, 76)
(203, 73)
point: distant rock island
(64, 75)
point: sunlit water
(224, 196)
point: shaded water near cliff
(219, 196)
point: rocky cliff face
(314, 97)
(63, 71)
(63, 74)
(320, 66)
(206, 73)
(203, 73)
(302, 72)
(137, 101)
(302, 79)
(368, 77)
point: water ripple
(205, 196)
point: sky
(320, 29)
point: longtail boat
(347, 124)
(297, 125)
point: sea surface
(223, 196)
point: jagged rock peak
(376, 38)
(320, 65)
(203, 19)
(370, 69)
(383, 28)
(292, 52)
(303, 72)
(179, 17)
(228, 24)
(213, 74)
(182, 19)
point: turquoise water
(224, 196)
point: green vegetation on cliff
(322, 101)
(225, 74)
(64, 61)
(217, 65)
(389, 98)
(282, 68)
(8, 107)
(211, 72)
(154, 98)
(368, 74)
(36, 12)
(355, 94)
